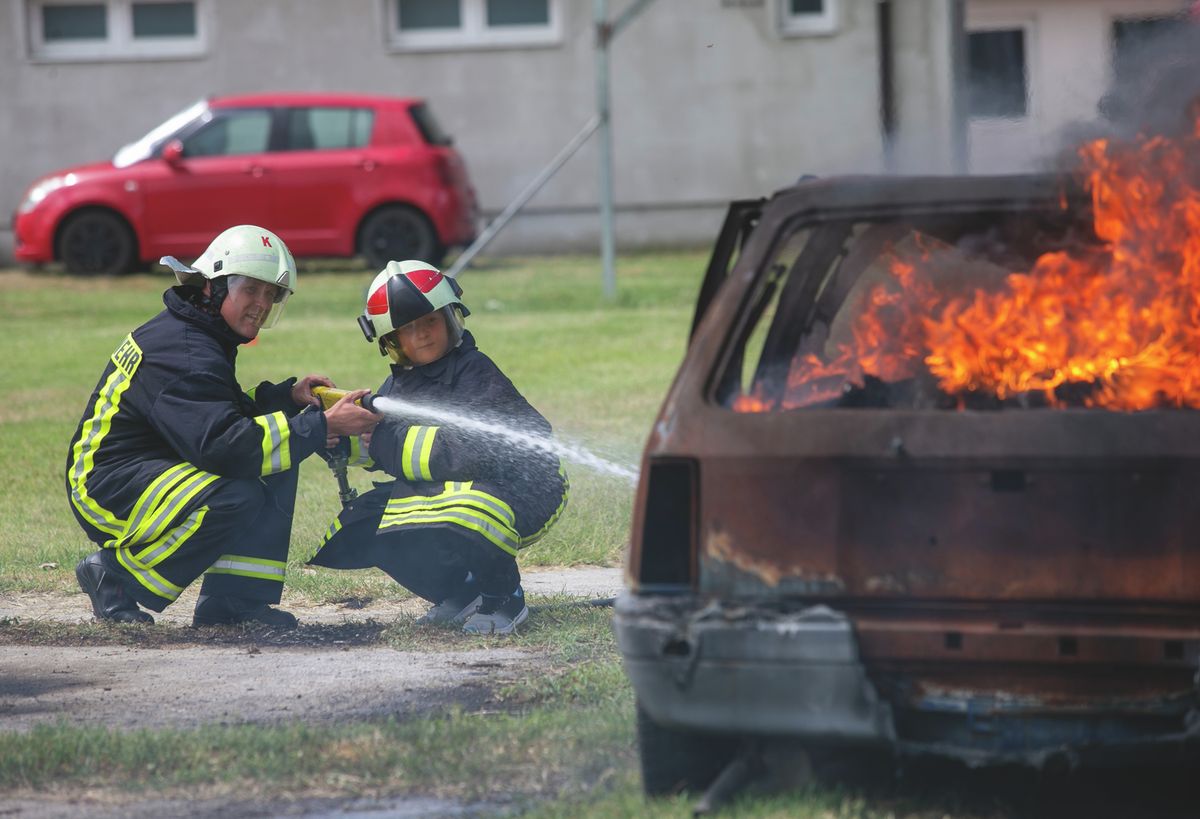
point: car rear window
(881, 314)
(327, 128)
(427, 124)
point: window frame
(807, 25)
(474, 33)
(1027, 34)
(119, 43)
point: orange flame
(1121, 321)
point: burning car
(927, 477)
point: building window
(801, 17)
(1138, 42)
(115, 29)
(997, 79)
(417, 25)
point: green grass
(597, 370)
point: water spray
(396, 408)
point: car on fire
(333, 174)
(925, 481)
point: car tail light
(445, 170)
(669, 524)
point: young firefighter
(463, 501)
(174, 470)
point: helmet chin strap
(211, 302)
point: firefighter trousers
(432, 562)
(238, 531)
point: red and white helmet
(405, 291)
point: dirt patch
(187, 687)
(585, 582)
(333, 667)
(57, 664)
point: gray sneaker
(498, 615)
(452, 610)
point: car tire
(96, 242)
(675, 760)
(396, 233)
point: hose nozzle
(331, 395)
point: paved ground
(325, 679)
(320, 678)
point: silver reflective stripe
(435, 502)
(181, 532)
(418, 447)
(275, 433)
(276, 442)
(478, 523)
(179, 498)
(234, 565)
(252, 257)
(160, 487)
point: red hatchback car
(332, 174)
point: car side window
(328, 128)
(231, 132)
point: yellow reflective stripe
(165, 504)
(470, 497)
(169, 543)
(91, 435)
(152, 580)
(499, 535)
(540, 533)
(418, 443)
(152, 494)
(277, 452)
(358, 453)
(249, 567)
(333, 529)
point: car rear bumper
(729, 670)
(766, 670)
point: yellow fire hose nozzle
(331, 395)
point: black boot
(109, 600)
(221, 611)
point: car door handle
(367, 164)
(256, 170)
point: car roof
(308, 98)
(863, 190)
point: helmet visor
(263, 300)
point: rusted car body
(997, 580)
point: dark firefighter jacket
(452, 475)
(168, 418)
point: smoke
(1155, 90)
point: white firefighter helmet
(243, 252)
(403, 292)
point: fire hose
(338, 460)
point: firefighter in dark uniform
(464, 500)
(175, 471)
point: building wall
(710, 102)
(1069, 65)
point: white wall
(710, 102)
(1069, 63)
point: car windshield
(145, 147)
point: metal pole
(524, 196)
(607, 241)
